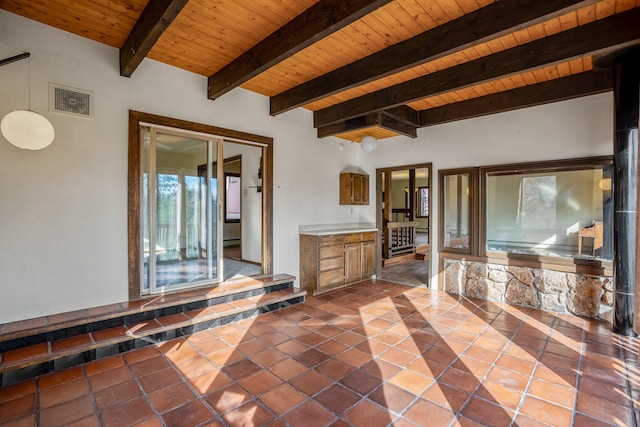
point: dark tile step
(49, 328)
(19, 364)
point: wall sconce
(369, 143)
(26, 129)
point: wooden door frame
(136, 119)
(386, 198)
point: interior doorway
(404, 218)
(243, 207)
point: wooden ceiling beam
(395, 121)
(405, 114)
(471, 29)
(391, 123)
(153, 21)
(578, 85)
(355, 123)
(613, 32)
(314, 24)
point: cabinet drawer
(332, 277)
(360, 237)
(331, 240)
(368, 236)
(352, 238)
(331, 252)
(331, 263)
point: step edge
(283, 278)
(49, 357)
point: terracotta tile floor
(374, 354)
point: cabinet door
(346, 189)
(356, 189)
(364, 190)
(352, 262)
(368, 259)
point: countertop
(324, 229)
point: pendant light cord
(29, 83)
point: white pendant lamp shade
(369, 143)
(27, 129)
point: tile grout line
(628, 383)
(579, 376)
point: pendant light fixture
(369, 143)
(26, 129)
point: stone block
(476, 289)
(553, 302)
(477, 270)
(498, 274)
(496, 290)
(584, 298)
(552, 282)
(454, 277)
(523, 274)
(485, 289)
(520, 293)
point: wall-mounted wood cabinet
(335, 260)
(354, 189)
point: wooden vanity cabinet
(354, 189)
(335, 260)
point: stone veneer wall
(580, 294)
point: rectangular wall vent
(71, 101)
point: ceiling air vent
(71, 101)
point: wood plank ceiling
(366, 67)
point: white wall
(63, 210)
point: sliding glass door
(181, 199)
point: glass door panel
(180, 211)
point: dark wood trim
(471, 29)
(199, 127)
(613, 32)
(383, 119)
(404, 114)
(391, 123)
(134, 182)
(314, 24)
(14, 58)
(356, 123)
(153, 21)
(267, 209)
(636, 287)
(136, 118)
(583, 84)
(472, 174)
(547, 165)
(412, 195)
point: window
(233, 196)
(457, 230)
(562, 211)
(423, 202)
(556, 209)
